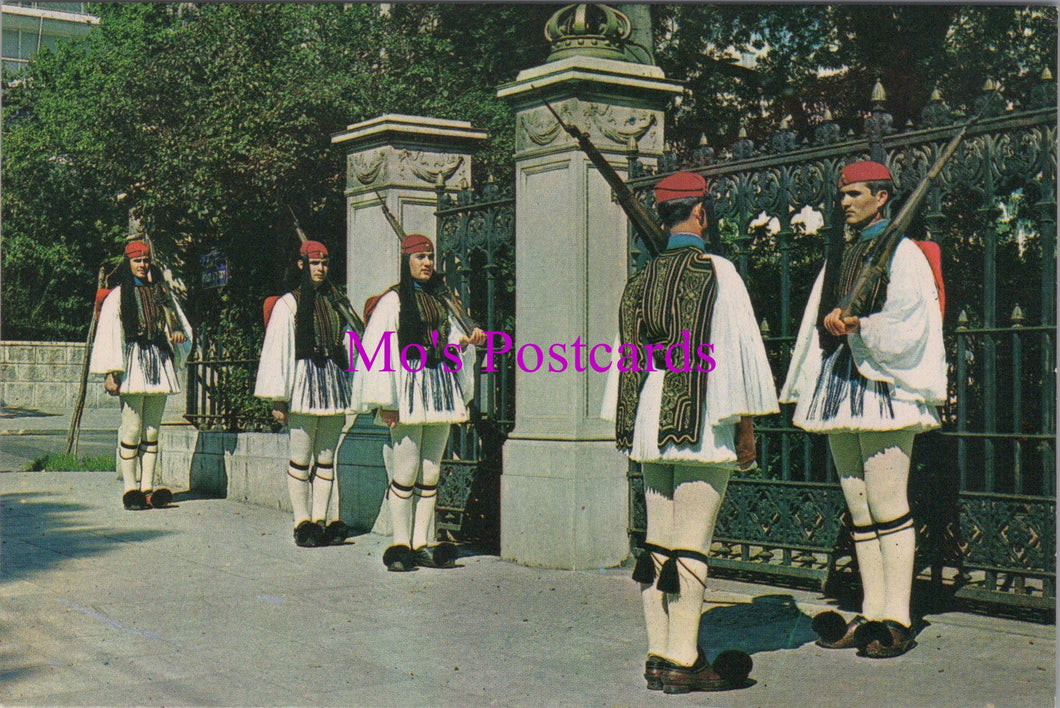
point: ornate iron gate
(476, 239)
(983, 489)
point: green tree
(212, 119)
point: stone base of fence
(252, 468)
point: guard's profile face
(859, 204)
(318, 269)
(140, 266)
(421, 265)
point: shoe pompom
(161, 497)
(830, 626)
(134, 500)
(397, 555)
(445, 555)
(871, 632)
(733, 665)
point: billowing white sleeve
(806, 358)
(275, 380)
(108, 347)
(742, 382)
(902, 343)
(376, 376)
(468, 356)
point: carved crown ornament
(588, 30)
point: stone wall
(46, 376)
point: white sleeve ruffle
(742, 382)
(275, 380)
(376, 385)
(806, 358)
(902, 343)
(108, 347)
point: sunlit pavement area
(209, 602)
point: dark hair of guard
(411, 329)
(303, 316)
(675, 211)
(130, 324)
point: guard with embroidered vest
(688, 424)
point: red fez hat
(313, 249)
(137, 249)
(866, 171)
(416, 243)
(680, 186)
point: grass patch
(63, 462)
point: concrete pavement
(211, 603)
(26, 434)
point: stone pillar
(403, 159)
(564, 493)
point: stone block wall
(46, 376)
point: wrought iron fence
(220, 396)
(983, 489)
(476, 241)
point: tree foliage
(213, 118)
(807, 58)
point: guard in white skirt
(684, 411)
(141, 339)
(303, 372)
(871, 384)
(417, 375)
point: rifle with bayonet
(337, 299)
(455, 308)
(654, 236)
(877, 260)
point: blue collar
(138, 281)
(683, 239)
(874, 230)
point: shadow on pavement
(38, 533)
(16, 412)
(767, 623)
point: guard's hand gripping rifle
(878, 259)
(654, 237)
(455, 308)
(338, 300)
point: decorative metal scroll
(476, 241)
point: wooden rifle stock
(466, 323)
(654, 237)
(337, 299)
(878, 259)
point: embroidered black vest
(675, 292)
